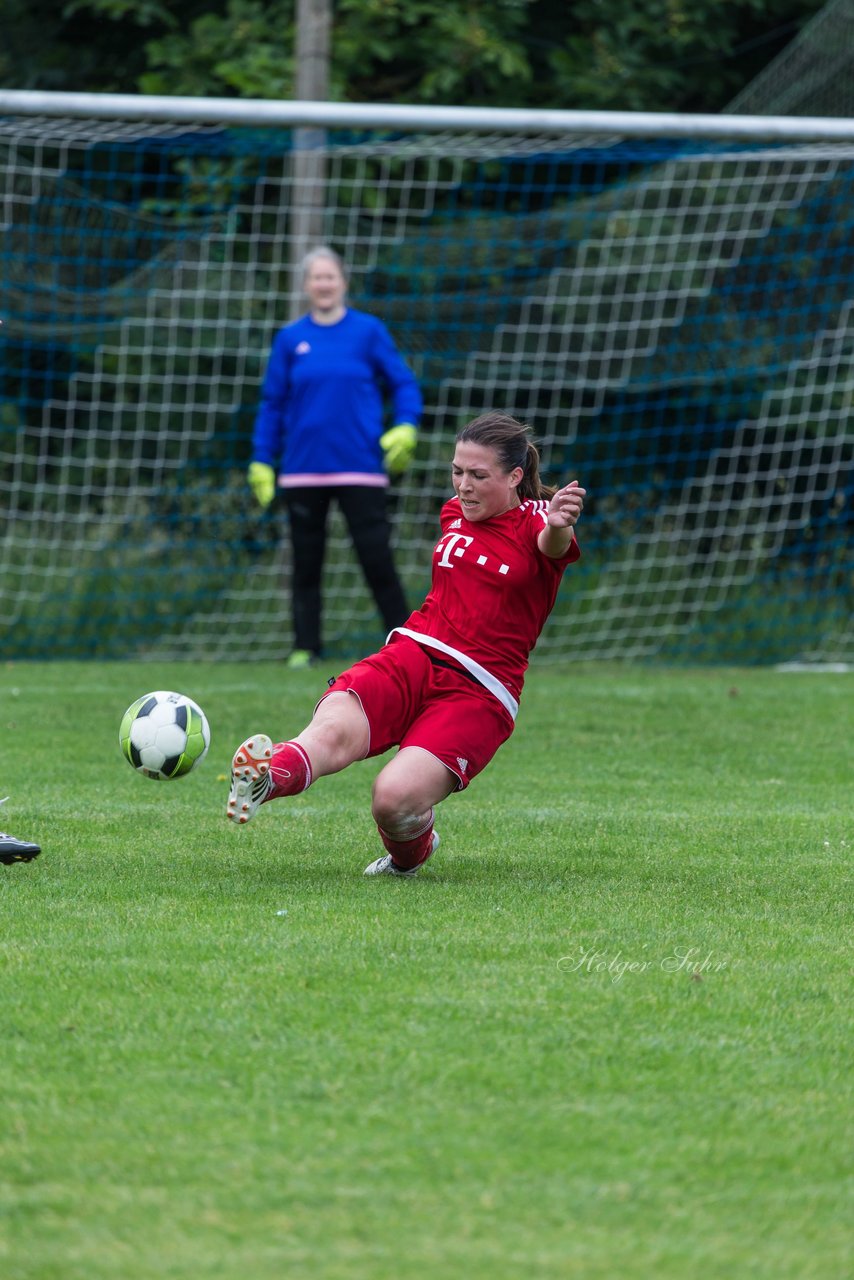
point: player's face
(325, 286)
(483, 487)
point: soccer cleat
(12, 850)
(385, 867)
(251, 782)
(300, 660)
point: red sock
(290, 769)
(410, 853)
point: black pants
(364, 508)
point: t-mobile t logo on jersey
(452, 544)
(456, 544)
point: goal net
(673, 317)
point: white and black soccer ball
(164, 735)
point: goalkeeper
(320, 437)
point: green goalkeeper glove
(262, 482)
(398, 444)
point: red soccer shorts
(411, 701)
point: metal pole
(308, 186)
(356, 115)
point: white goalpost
(666, 299)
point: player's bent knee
(395, 805)
(409, 787)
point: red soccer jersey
(492, 591)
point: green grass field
(605, 1035)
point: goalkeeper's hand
(398, 445)
(262, 482)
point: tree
(430, 51)
(47, 46)
(664, 55)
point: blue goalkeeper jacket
(322, 401)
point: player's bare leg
(404, 795)
(337, 735)
(261, 771)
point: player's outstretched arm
(564, 510)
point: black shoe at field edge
(12, 850)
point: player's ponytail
(531, 486)
(512, 442)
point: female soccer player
(320, 437)
(445, 687)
